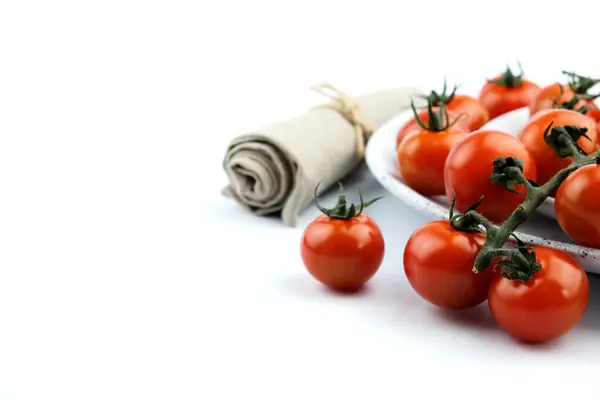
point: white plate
(540, 229)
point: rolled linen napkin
(276, 168)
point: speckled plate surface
(540, 229)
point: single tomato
(577, 205)
(422, 154)
(412, 125)
(477, 115)
(548, 162)
(438, 263)
(342, 248)
(469, 166)
(507, 92)
(545, 307)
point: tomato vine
(520, 263)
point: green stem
(498, 236)
(342, 209)
(580, 84)
(509, 79)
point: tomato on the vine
(343, 248)
(550, 95)
(457, 104)
(438, 263)
(558, 93)
(577, 205)
(507, 92)
(548, 162)
(545, 307)
(422, 154)
(470, 164)
(412, 125)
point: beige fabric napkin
(275, 169)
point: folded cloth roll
(276, 168)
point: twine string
(350, 110)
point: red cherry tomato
(412, 125)
(343, 248)
(545, 307)
(422, 154)
(550, 95)
(438, 262)
(507, 92)
(476, 112)
(469, 166)
(577, 206)
(558, 93)
(546, 159)
(421, 159)
(593, 112)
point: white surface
(124, 274)
(541, 229)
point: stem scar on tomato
(342, 210)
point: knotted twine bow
(350, 109)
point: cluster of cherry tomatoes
(443, 150)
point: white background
(125, 275)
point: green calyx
(437, 121)
(521, 267)
(573, 102)
(439, 99)
(467, 221)
(342, 209)
(507, 172)
(580, 84)
(564, 139)
(508, 78)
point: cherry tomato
(545, 307)
(421, 159)
(422, 154)
(477, 113)
(507, 92)
(469, 166)
(342, 248)
(550, 95)
(558, 93)
(577, 205)
(438, 262)
(546, 159)
(412, 125)
(593, 112)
